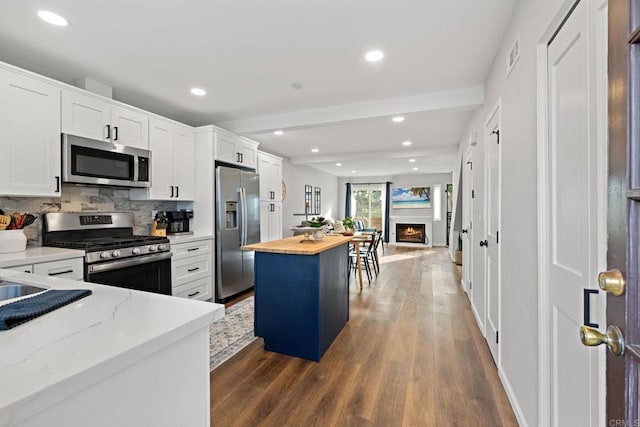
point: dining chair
(367, 258)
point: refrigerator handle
(243, 211)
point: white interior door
(467, 224)
(491, 243)
(574, 215)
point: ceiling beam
(459, 99)
(375, 155)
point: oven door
(151, 273)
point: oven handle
(129, 262)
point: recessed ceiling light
(353, 171)
(314, 150)
(278, 132)
(53, 18)
(415, 169)
(412, 160)
(338, 164)
(374, 56)
(198, 92)
(398, 119)
(406, 143)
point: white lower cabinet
(69, 268)
(192, 269)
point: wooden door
(491, 243)
(623, 205)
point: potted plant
(349, 225)
(318, 222)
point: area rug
(232, 333)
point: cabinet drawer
(192, 268)
(68, 268)
(27, 268)
(198, 289)
(182, 250)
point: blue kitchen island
(301, 294)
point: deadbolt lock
(613, 338)
(612, 281)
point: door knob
(464, 230)
(484, 243)
(613, 338)
(612, 281)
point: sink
(9, 290)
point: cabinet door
(275, 221)
(161, 162)
(86, 116)
(183, 161)
(248, 154)
(264, 169)
(130, 128)
(29, 135)
(264, 221)
(68, 268)
(226, 148)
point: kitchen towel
(16, 313)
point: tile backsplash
(77, 198)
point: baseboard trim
(512, 398)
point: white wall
(295, 178)
(518, 365)
(413, 180)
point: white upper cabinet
(91, 117)
(172, 163)
(236, 150)
(270, 170)
(130, 128)
(29, 136)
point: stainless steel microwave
(88, 161)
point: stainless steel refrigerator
(237, 224)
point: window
(367, 201)
(437, 193)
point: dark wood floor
(410, 355)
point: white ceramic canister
(318, 234)
(12, 241)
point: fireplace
(410, 233)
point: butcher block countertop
(292, 245)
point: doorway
(491, 244)
(368, 203)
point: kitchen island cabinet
(118, 357)
(301, 294)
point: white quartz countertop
(35, 255)
(54, 356)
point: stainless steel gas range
(114, 255)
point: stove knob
(152, 248)
(104, 255)
(162, 247)
(135, 251)
(115, 253)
